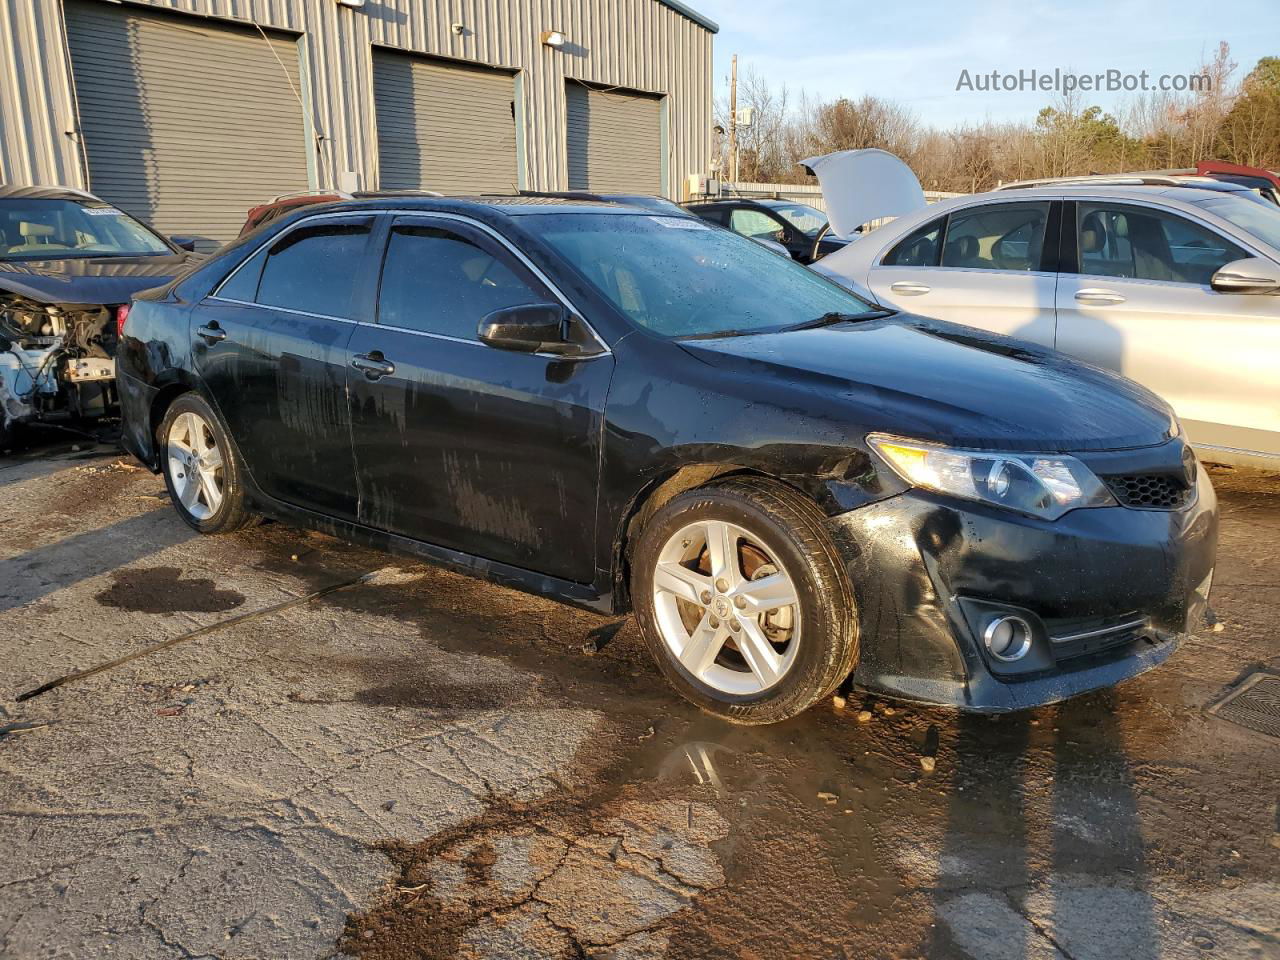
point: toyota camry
(630, 411)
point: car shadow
(1033, 828)
(27, 577)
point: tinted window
(753, 223)
(680, 277)
(1139, 243)
(438, 281)
(314, 269)
(243, 284)
(996, 237)
(920, 248)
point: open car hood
(859, 186)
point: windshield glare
(1260, 219)
(60, 229)
(804, 218)
(681, 277)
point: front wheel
(743, 602)
(200, 467)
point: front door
(270, 346)
(983, 266)
(1141, 304)
(486, 451)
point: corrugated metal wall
(641, 45)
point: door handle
(910, 288)
(1098, 296)
(373, 365)
(211, 333)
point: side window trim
(944, 222)
(358, 294)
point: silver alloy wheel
(726, 608)
(195, 465)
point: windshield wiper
(827, 319)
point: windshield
(1260, 219)
(682, 277)
(808, 220)
(58, 229)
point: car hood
(951, 384)
(97, 280)
(859, 186)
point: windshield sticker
(103, 211)
(681, 223)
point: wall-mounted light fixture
(354, 4)
(458, 29)
(553, 38)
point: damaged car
(69, 263)
(790, 487)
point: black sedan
(798, 227)
(625, 410)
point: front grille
(1149, 491)
(1081, 638)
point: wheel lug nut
(722, 585)
(706, 596)
(740, 602)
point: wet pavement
(418, 765)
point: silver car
(1173, 286)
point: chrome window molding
(426, 214)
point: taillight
(122, 314)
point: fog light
(1008, 638)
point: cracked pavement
(418, 765)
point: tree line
(1235, 118)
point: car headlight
(1042, 485)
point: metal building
(188, 112)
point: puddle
(164, 590)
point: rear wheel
(742, 600)
(200, 467)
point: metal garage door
(615, 141)
(444, 126)
(187, 124)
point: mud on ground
(424, 766)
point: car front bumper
(1109, 593)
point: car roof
(1110, 191)
(512, 206)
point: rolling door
(186, 123)
(444, 126)
(614, 141)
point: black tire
(794, 530)
(232, 512)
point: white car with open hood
(1177, 287)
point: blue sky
(914, 50)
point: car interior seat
(1152, 258)
(961, 252)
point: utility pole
(733, 120)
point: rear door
(986, 266)
(1135, 297)
(270, 347)
(486, 451)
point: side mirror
(184, 243)
(1250, 275)
(528, 328)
